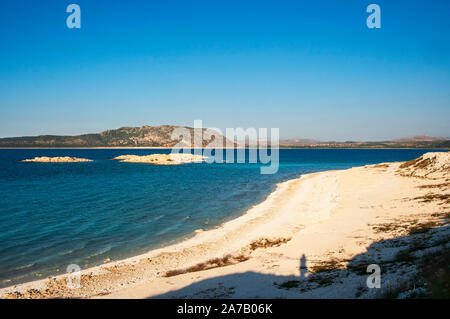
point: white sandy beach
(332, 223)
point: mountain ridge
(144, 136)
(160, 136)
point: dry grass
(423, 164)
(322, 280)
(381, 166)
(388, 227)
(229, 259)
(410, 163)
(359, 268)
(433, 274)
(444, 215)
(209, 264)
(412, 227)
(442, 185)
(266, 242)
(434, 197)
(404, 255)
(436, 274)
(289, 284)
(424, 227)
(416, 163)
(328, 265)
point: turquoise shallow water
(55, 214)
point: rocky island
(64, 159)
(161, 159)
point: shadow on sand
(401, 261)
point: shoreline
(224, 148)
(313, 215)
(193, 238)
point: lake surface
(56, 214)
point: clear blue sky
(311, 68)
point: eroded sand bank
(312, 237)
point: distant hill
(419, 141)
(420, 138)
(145, 136)
(298, 142)
(160, 136)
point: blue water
(52, 215)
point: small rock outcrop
(64, 159)
(162, 159)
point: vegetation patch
(433, 275)
(289, 284)
(410, 163)
(424, 227)
(442, 185)
(389, 227)
(329, 265)
(422, 164)
(266, 242)
(322, 280)
(359, 269)
(435, 272)
(434, 197)
(444, 215)
(404, 255)
(360, 290)
(209, 264)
